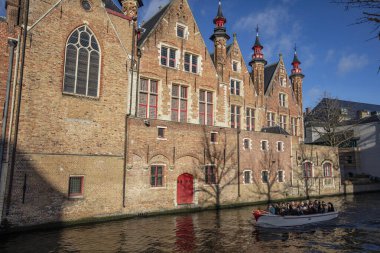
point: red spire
(220, 20)
(296, 63)
(257, 47)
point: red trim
(118, 14)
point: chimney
(308, 110)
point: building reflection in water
(185, 234)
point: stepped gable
(152, 23)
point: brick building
(120, 120)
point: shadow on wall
(33, 198)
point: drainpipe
(19, 94)
(238, 158)
(132, 64)
(139, 54)
(3, 175)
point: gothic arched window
(82, 63)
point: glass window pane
(70, 67)
(82, 72)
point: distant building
(357, 134)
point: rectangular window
(161, 132)
(235, 66)
(191, 63)
(246, 143)
(264, 145)
(235, 116)
(265, 176)
(280, 146)
(294, 126)
(280, 176)
(179, 103)
(270, 119)
(214, 137)
(282, 99)
(148, 98)
(168, 57)
(250, 119)
(210, 174)
(283, 121)
(76, 186)
(235, 87)
(156, 175)
(247, 177)
(283, 82)
(206, 108)
(180, 31)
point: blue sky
(336, 57)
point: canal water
(357, 229)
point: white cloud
(352, 62)
(152, 8)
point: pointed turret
(257, 63)
(220, 38)
(297, 78)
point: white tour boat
(266, 219)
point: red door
(185, 189)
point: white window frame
(271, 121)
(282, 146)
(294, 125)
(165, 132)
(237, 117)
(283, 118)
(249, 116)
(283, 82)
(191, 63)
(206, 102)
(282, 100)
(177, 56)
(249, 144)
(233, 83)
(216, 136)
(250, 176)
(180, 98)
(238, 67)
(185, 31)
(283, 176)
(267, 145)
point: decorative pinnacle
(295, 48)
(257, 30)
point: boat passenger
(271, 209)
(330, 207)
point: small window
(161, 132)
(247, 176)
(181, 31)
(282, 99)
(86, 5)
(327, 169)
(307, 169)
(250, 119)
(280, 146)
(214, 137)
(156, 175)
(76, 186)
(264, 145)
(283, 82)
(246, 143)
(210, 174)
(280, 176)
(235, 66)
(265, 176)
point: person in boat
(330, 207)
(271, 209)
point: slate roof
(268, 74)
(352, 107)
(109, 4)
(151, 24)
(274, 130)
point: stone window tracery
(82, 63)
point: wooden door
(185, 189)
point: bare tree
(220, 166)
(330, 122)
(370, 13)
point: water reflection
(357, 229)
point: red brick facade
(129, 165)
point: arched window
(327, 169)
(82, 63)
(308, 169)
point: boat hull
(270, 220)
